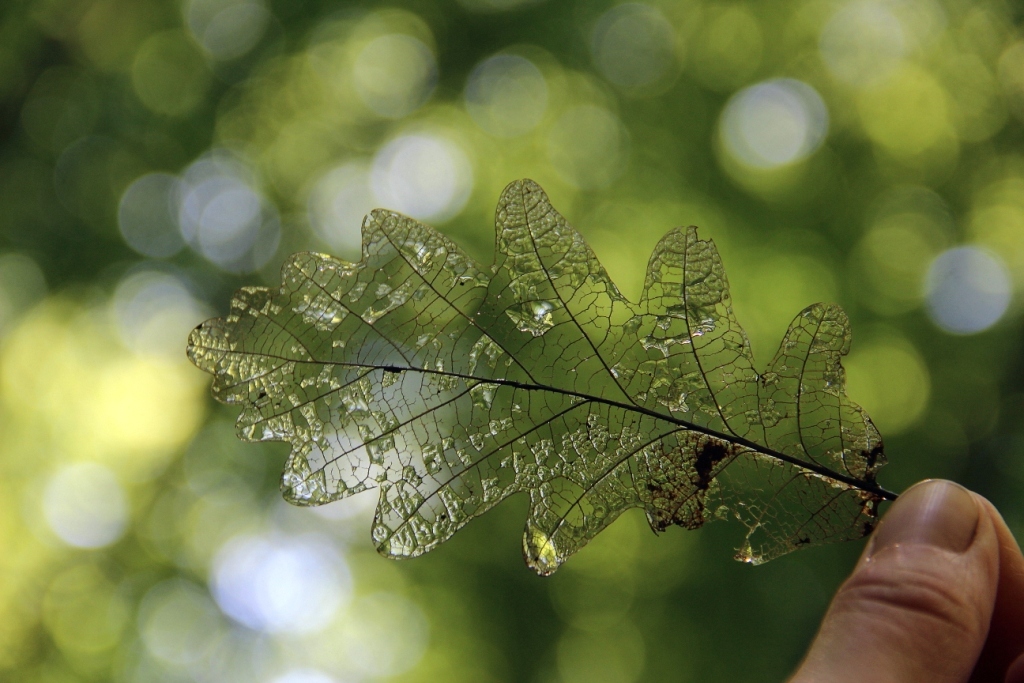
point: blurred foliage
(157, 154)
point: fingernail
(937, 513)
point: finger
(918, 605)
(1015, 674)
(1006, 634)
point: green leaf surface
(451, 386)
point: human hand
(937, 596)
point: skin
(937, 596)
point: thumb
(918, 605)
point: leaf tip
(747, 555)
(519, 188)
(540, 552)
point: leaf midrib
(870, 487)
(738, 440)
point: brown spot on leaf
(678, 488)
(712, 453)
(872, 456)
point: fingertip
(935, 512)
(918, 605)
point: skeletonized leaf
(450, 386)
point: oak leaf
(450, 386)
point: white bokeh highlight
(967, 290)
(85, 506)
(227, 29)
(278, 584)
(304, 676)
(774, 123)
(223, 216)
(506, 95)
(148, 217)
(423, 176)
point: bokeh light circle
(169, 74)
(83, 609)
(148, 217)
(506, 95)
(394, 74)
(774, 123)
(227, 29)
(633, 45)
(888, 376)
(862, 42)
(85, 505)
(178, 622)
(337, 204)
(385, 634)
(278, 584)
(967, 290)
(304, 676)
(154, 311)
(22, 285)
(222, 215)
(423, 176)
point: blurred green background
(157, 154)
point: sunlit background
(156, 155)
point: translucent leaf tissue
(451, 386)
